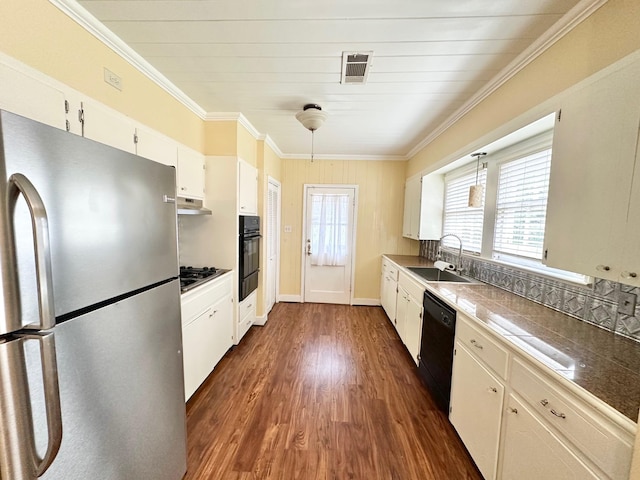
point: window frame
(526, 147)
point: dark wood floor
(320, 392)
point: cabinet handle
(476, 344)
(513, 410)
(493, 389)
(544, 402)
(629, 274)
(559, 415)
(603, 268)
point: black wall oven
(249, 255)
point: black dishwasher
(436, 348)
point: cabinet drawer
(413, 288)
(583, 426)
(390, 269)
(482, 347)
(247, 306)
(196, 300)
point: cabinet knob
(603, 268)
(493, 389)
(513, 410)
(629, 274)
(544, 402)
(182, 188)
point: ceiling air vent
(355, 67)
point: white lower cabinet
(402, 301)
(533, 452)
(413, 327)
(246, 316)
(388, 288)
(207, 330)
(544, 432)
(476, 410)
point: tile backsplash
(596, 304)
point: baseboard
(370, 302)
(260, 320)
(290, 298)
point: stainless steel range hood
(189, 206)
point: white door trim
(303, 263)
(278, 185)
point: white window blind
(521, 206)
(459, 218)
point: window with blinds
(459, 218)
(521, 206)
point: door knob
(308, 248)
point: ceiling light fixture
(311, 117)
(476, 192)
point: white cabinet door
(156, 147)
(190, 173)
(195, 355)
(431, 207)
(108, 126)
(413, 327)
(247, 189)
(476, 410)
(630, 269)
(402, 300)
(411, 218)
(388, 299)
(594, 149)
(532, 452)
(31, 98)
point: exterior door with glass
(328, 243)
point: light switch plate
(287, 229)
(627, 303)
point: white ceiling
(267, 58)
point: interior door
(328, 243)
(273, 240)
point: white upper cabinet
(31, 98)
(411, 218)
(423, 204)
(107, 126)
(190, 173)
(593, 215)
(247, 189)
(157, 147)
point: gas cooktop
(191, 277)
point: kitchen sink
(432, 274)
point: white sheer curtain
(329, 220)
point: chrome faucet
(457, 266)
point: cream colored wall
(41, 36)
(247, 146)
(379, 228)
(221, 138)
(605, 37)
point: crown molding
(563, 26)
(317, 156)
(269, 141)
(558, 30)
(82, 17)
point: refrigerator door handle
(52, 400)
(18, 183)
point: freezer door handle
(19, 458)
(52, 400)
(18, 183)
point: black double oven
(249, 255)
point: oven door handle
(250, 237)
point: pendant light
(311, 117)
(476, 192)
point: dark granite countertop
(602, 363)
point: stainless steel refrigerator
(91, 380)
